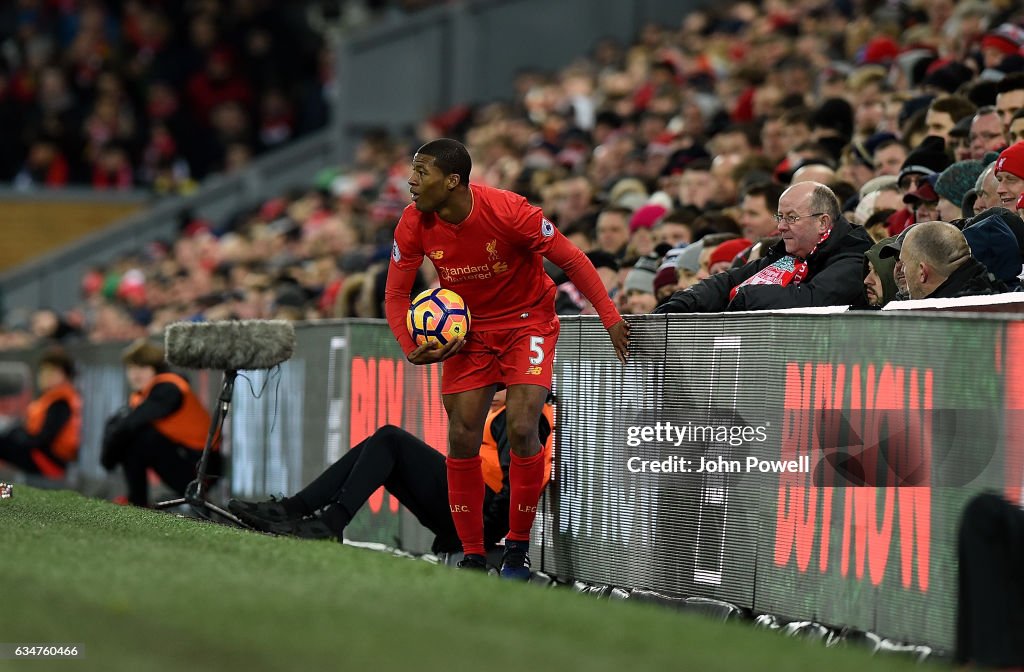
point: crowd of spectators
(121, 94)
(668, 161)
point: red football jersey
(493, 259)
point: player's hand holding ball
(438, 321)
(433, 352)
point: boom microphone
(230, 345)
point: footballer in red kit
(488, 245)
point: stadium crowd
(672, 163)
(789, 153)
(115, 95)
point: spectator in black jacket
(938, 263)
(819, 262)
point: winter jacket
(970, 279)
(835, 278)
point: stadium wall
(36, 223)
(868, 432)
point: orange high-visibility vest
(490, 461)
(189, 424)
(65, 444)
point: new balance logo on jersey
(526, 509)
(458, 508)
(500, 267)
(533, 371)
(436, 254)
(547, 229)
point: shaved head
(931, 253)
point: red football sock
(525, 475)
(466, 501)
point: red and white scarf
(782, 272)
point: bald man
(938, 264)
(818, 262)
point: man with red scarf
(818, 262)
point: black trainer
(304, 528)
(474, 562)
(261, 515)
(515, 563)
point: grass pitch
(148, 591)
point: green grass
(149, 591)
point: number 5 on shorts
(536, 349)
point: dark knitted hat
(954, 181)
(928, 158)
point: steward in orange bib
(412, 472)
(163, 428)
(50, 435)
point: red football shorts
(519, 356)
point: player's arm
(583, 275)
(406, 257)
(550, 242)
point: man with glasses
(818, 262)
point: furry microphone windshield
(230, 346)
